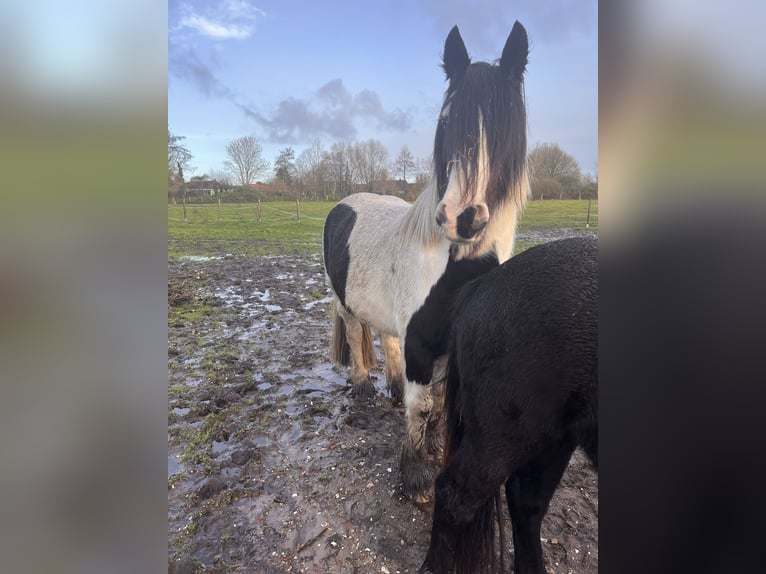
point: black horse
(521, 396)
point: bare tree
(370, 159)
(311, 170)
(221, 176)
(547, 161)
(404, 163)
(245, 161)
(338, 165)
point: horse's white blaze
(452, 203)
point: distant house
(202, 187)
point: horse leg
(359, 340)
(435, 428)
(529, 493)
(394, 369)
(462, 534)
(414, 464)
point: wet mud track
(272, 466)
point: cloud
(216, 30)
(187, 65)
(333, 112)
(224, 20)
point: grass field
(279, 231)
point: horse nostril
(465, 222)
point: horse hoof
(422, 499)
(418, 480)
(397, 397)
(364, 390)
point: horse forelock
(485, 111)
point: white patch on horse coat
(389, 279)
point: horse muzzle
(466, 226)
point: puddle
(198, 258)
(174, 464)
(293, 410)
(219, 446)
(295, 433)
(264, 386)
(322, 301)
(263, 297)
(181, 411)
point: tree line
(554, 174)
(349, 167)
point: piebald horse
(394, 267)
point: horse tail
(368, 348)
(475, 546)
(339, 349)
(454, 434)
(590, 438)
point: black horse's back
(337, 230)
(521, 395)
(532, 324)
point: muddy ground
(272, 466)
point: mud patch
(272, 467)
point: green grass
(240, 233)
(569, 213)
(279, 232)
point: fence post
(587, 221)
(298, 209)
(220, 216)
(259, 210)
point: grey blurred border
(682, 223)
(83, 267)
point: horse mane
(419, 224)
(504, 129)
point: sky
(288, 73)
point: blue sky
(289, 72)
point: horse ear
(455, 60)
(516, 51)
